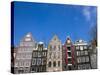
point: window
(68, 48)
(44, 61)
(27, 63)
(39, 54)
(69, 61)
(44, 53)
(54, 64)
(33, 69)
(82, 52)
(69, 67)
(38, 61)
(86, 52)
(83, 59)
(81, 47)
(34, 62)
(87, 59)
(83, 66)
(79, 60)
(78, 53)
(85, 47)
(69, 54)
(88, 66)
(49, 65)
(77, 48)
(58, 63)
(16, 64)
(41, 47)
(34, 54)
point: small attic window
(28, 35)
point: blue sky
(45, 20)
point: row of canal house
(35, 57)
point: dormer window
(68, 41)
(28, 35)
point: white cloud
(88, 13)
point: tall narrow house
(68, 54)
(39, 58)
(54, 55)
(22, 61)
(82, 54)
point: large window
(39, 61)
(16, 63)
(69, 48)
(49, 65)
(33, 69)
(44, 53)
(58, 63)
(77, 47)
(41, 47)
(39, 54)
(54, 64)
(86, 52)
(27, 63)
(34, 61)
(83, 59)
(81, 47)
(78, 53)
(34, 54)
(82, 52)
(87, 59)
(79, 60)
(69, 54)
(69, 61)
(85, 47)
